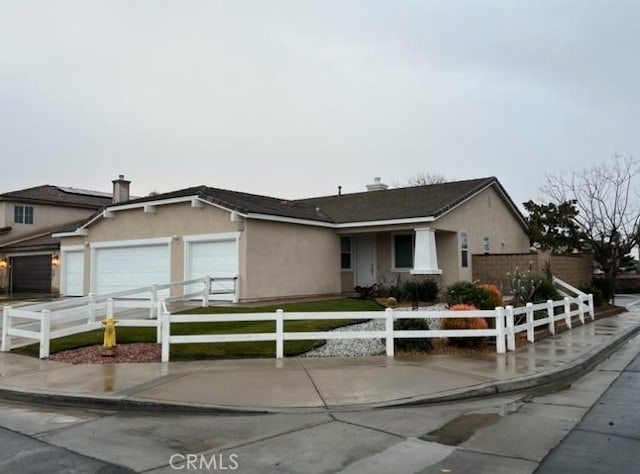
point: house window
(486, 244)
(403, 247)
(345, 253)
(23, 214)
(464, 249)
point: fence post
(511, 334)
(388, 320)
(567, 312)
(500, 347)
(159, 322)
(592, 312)
(166, 332)
(279, 334)
(6, 324)
(206, 291)
(530, 319)
(92, 308)
(582, 299)
(45, 332)
(552, 317)
(236, 289)
(154, 299)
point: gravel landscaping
(364, 347)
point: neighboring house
(281, 248)
(29, 255)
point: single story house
(292, 248)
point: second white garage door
(127, 267)
(217, 258)
(72, 272)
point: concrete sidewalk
(314, 384)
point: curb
(555, 378)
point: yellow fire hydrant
(109, 345)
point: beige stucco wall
(285, 260)
(44, 217)
(486, 215)
(275, 259)
(177, 220)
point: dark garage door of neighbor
(31, 274)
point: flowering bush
(494, 297)
(464, 323)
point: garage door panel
(73, 273)
(31, 274)
(216, 259)
(126, 268)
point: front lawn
(232, 349)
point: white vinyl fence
(507, 324)
(47, 321)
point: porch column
(426, 259)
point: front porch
(391, 257)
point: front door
(365, 260)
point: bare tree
(609, 214)
(423, 179)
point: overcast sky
(293, 98)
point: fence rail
(505, 329)
(46, 321)
(45, 324)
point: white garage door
(72, 272)
(125, 268)
(216, 259)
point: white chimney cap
(377, 185)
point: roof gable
(429, 201)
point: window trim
(23, 214)
(486, 244)
(464, 249)
(347, 252)
(394, 267)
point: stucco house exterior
(282, 248)
(29, 255)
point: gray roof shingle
(244, 203)
(55, 195)
(401, 203)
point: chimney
(120, 189)
(377, 185)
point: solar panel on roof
(85, 192)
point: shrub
(531, 288)
(388, 292)
(464, 292)
(545, 290)
(366, 291)
(416, 324)
(598, 296)
(494, 297)
(416, 291)
(464, 323)
(604, 286)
